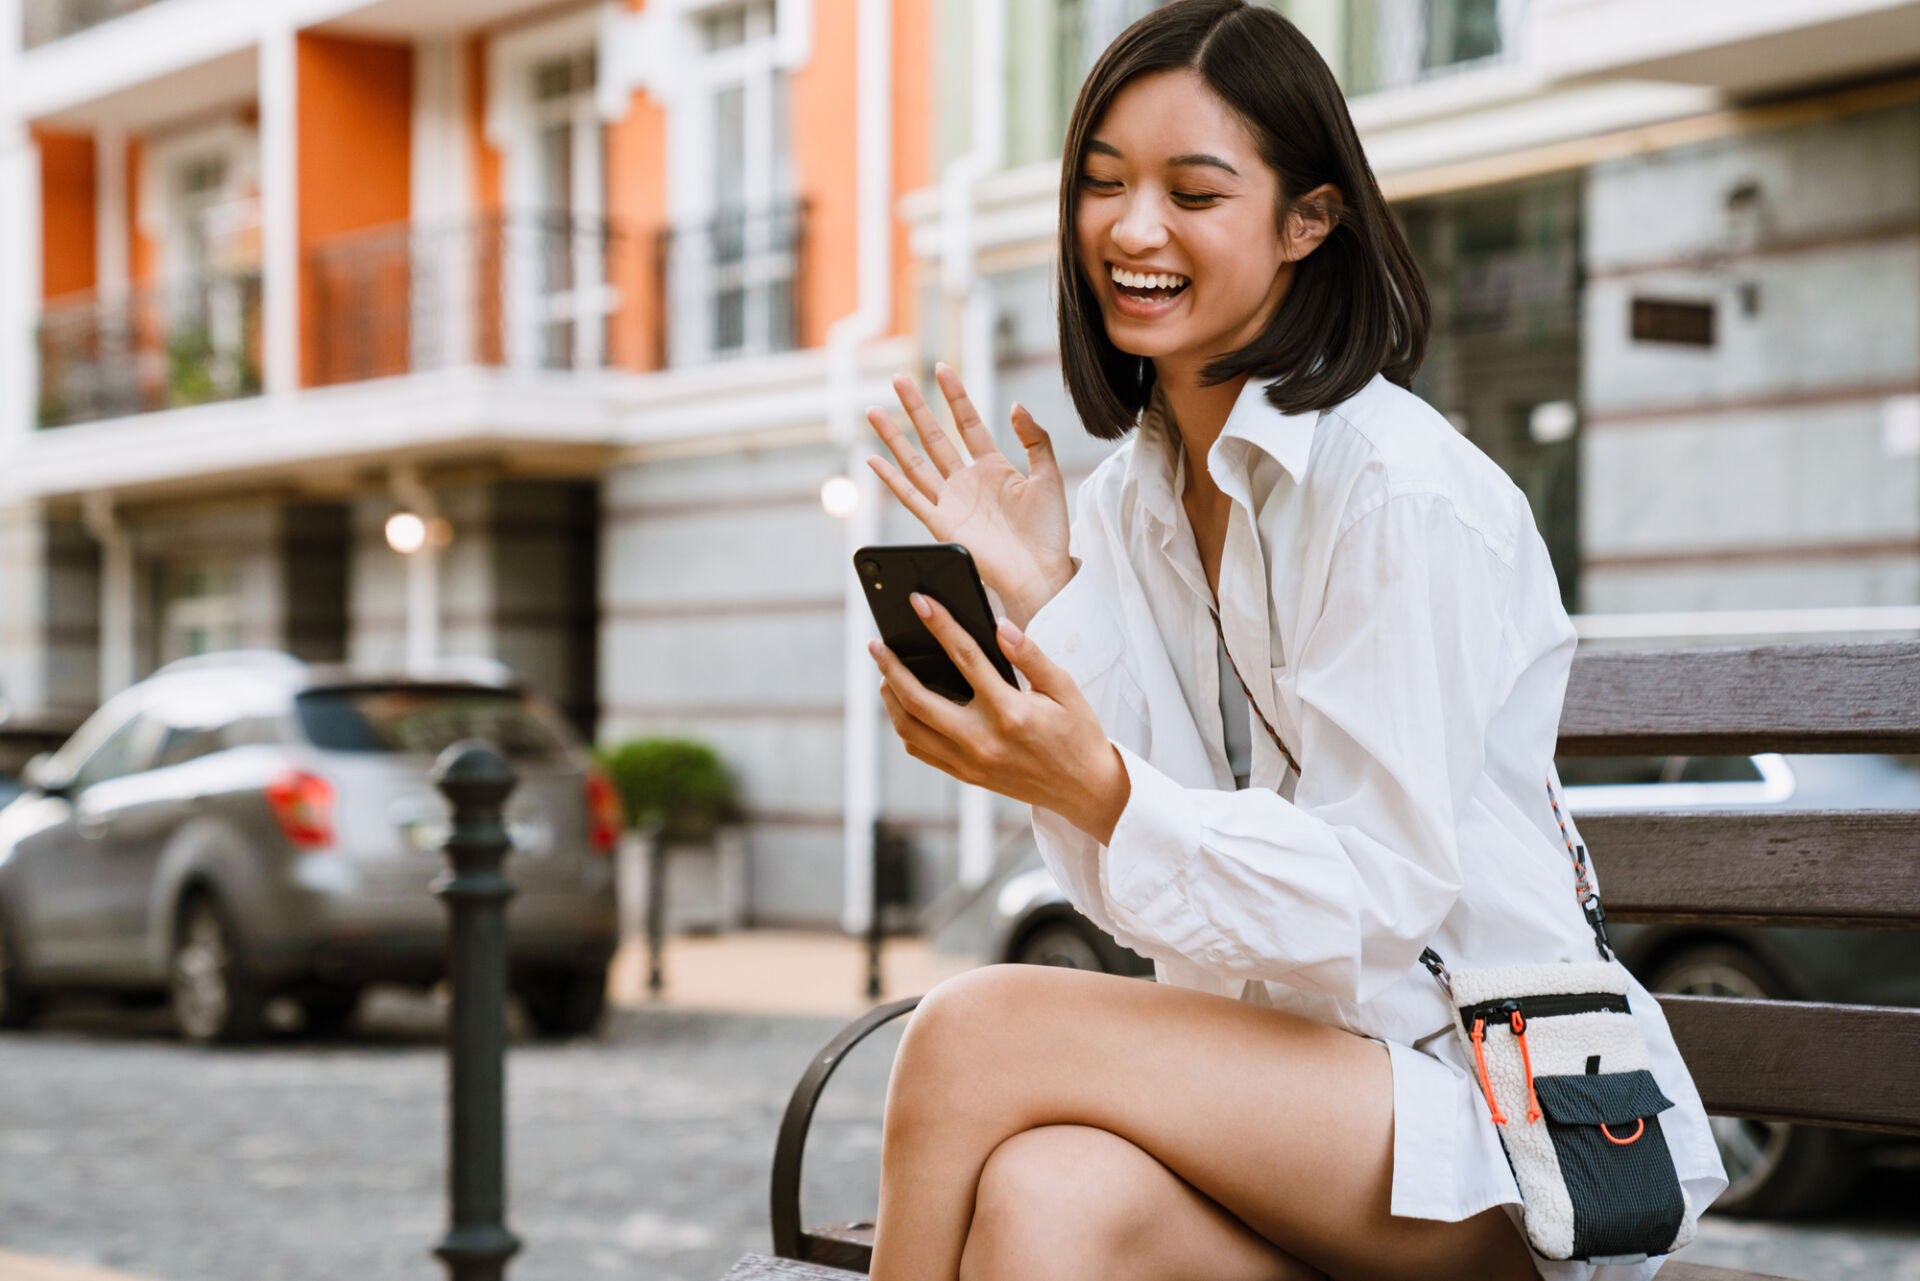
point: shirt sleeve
(1338, 890)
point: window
(128, 750)
(1050, 46)
(1503, 359)
(569, 164)
(1389, 44)
(424, 720)
(733, 260)
(199, 608)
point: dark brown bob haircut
(1357, 305)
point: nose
(1139, 230)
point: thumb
(1044, 676)
(1039, 445)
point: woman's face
(1176, 232)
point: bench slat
(1679, 1271)
(1854, 697)
(1855, 1066)
(1838, 868)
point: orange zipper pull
(1479, 1035)
(1520, 1034)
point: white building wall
(1766, 470)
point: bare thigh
(1071, 1203)
(1285, 1123)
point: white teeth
(1146, 280)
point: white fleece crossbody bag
(1565, 1073)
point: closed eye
(1195, 199)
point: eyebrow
(1177, 162)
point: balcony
(551, 292)
(45, 21)
(150, 348)
(733, 285)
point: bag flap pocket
(1610, 1098)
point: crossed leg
(1267, 1142)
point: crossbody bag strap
(1582, 887)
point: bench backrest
(1853, 1066)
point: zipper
(1543, 1007)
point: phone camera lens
(871, 568)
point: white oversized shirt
(1387, 598)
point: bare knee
(963, 1030)
(1057, 1202)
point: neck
(1200, 411)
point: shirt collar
(1157, 466)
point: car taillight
(603, 813)
(302, 804)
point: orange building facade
(604, 287)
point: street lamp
(840, 495)
(406, 533)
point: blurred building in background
(598, 292)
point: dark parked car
(1772, 1168)
(242, 826)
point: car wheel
(328, 1013)
(1076, 946)
(19, 1004)
(1772, 1168)
(566, 1003)
(215, 998)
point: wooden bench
(1854, 1067)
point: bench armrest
(787, 1153)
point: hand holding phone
(945, 572)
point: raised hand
(1014, 525)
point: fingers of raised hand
(1034, 437)
(932, 437)
(910, 498)
(972, 430)
(924, 476)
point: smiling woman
(1291, 680)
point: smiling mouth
(1147, 286)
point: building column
(19, 289)
(442, 207)
(279, 204)
(117, 665)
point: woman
(1287, 1102)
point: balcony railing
(733, 285)
(48, 20)
(536, 291)
(546, 291)
(150, 348)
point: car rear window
(426, 719)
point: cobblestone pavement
(643, 1153)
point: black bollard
(656, 912)
(476, 781)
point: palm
(1014, 525)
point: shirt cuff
(1076, 630)
(1156, 835)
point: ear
(1310, 219)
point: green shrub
(677, 785)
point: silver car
(243, 826)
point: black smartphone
(945, 572)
